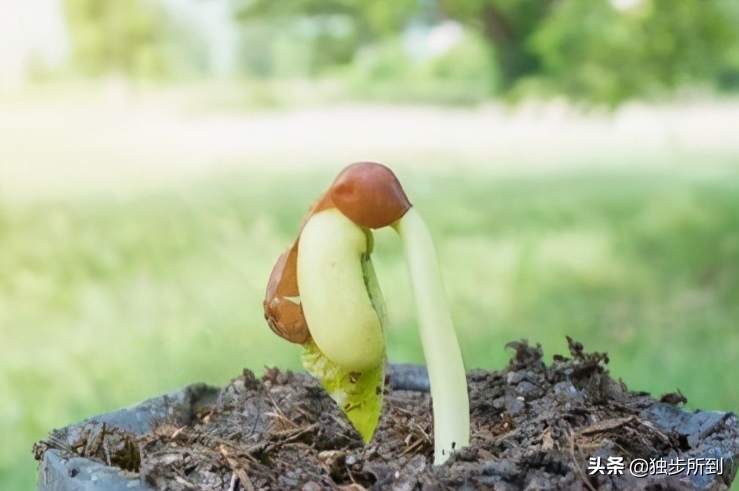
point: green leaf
(359, 395)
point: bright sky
(36, 31)
(625, 4)
(30, 30)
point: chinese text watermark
(697, 466)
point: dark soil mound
(533, 427)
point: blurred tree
(123, 36)
(594, 50)
(601, 50)
(370, 19)
(507, 26)
(336, 29)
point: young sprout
(323, 294)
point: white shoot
(447, 375)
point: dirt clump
(533, 427)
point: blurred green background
(577, 162)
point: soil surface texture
(533, 427)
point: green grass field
(105, 301)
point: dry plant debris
(533, 427)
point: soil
(533, 427)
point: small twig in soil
(238, 469)
(576, 463)
(282, 420)
(185, 482)
(234, 486)
(293, 434)
(244, 479)
(404, 412)
(607, 425)
(422, 439)
(106, 452)
(674, 398)
(258, 418)
(278, 412)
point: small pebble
(567, 391)
(499, 403)
(330, 455)
(514, 407)
(515, 378)
(311, 486)
(526, 388)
